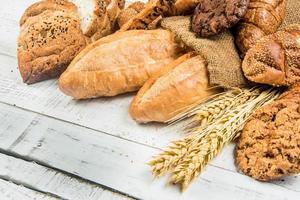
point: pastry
(98, 17)
(50, 37)
(156, 9)
(269, 147)
(212, 17)
(263, 17)
(179, 84)
(118, 63)
(275, 59)
(130, 12)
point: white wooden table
(52, 147)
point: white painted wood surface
(11, 191)
(120, 164)
(97, 141)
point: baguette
(118, 63)
(49, 39)
(275, 59)
(262, 18)
(176, 86)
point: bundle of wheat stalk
(209, 125)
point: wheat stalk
(188, 157)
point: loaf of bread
(98, 17)
(50, 37)
(156, 9)
(269, 146)
(118, 63)
(263, 17)
(177, 85)
(275, 59)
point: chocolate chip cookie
(214, 16)
(269, 147)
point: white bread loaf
(118, 63)
(177, 85)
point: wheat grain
(188, 156)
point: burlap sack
(292, 13)
(224, 64)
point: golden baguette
(176, 86)
(118, 63)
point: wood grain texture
(11, 191)
(47, 180)
(120, 164)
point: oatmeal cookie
(269, 147)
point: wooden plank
(120, 164)
(11, 191)
(50, 181)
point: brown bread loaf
(118, 63)
(179, 84)
(275, 59)
(50, 37)
(263, 17)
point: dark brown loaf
(263, 17)
(49, 39)
(275, 59)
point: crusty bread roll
(154, 10)
(50, 37)
(275, 59)
(263, 17)
(118, 63)
(176, 86)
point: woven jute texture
(224, 63)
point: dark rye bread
(215, 16)
(50, 37)
(269, 147)
(275, 59)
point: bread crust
(118, 63)
(262, 18)
(49, 39)
(177, 85)
(275, 59)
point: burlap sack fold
(292, 15)
(224, 63)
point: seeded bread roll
(275, 59)
(269, 146)
(177, 85)
(50, 37)
(262, 18)
(118, 63)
